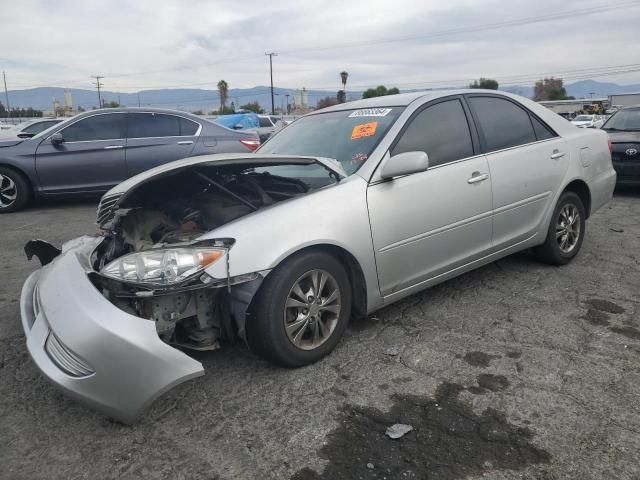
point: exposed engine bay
(169, 213)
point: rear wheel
(14, 190)
(301, 310)
(566, 231)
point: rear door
(527, 161)
(91, 157)
(157, 138)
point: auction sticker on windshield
(370, 112)
(364, 130)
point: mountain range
(201, 99)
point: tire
(564, 241)
(14, 190)
(328, 315)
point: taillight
(610, 145)
(251, 143)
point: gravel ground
(516, 370)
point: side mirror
(405, 164)
(56, 138)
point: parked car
(343, 212)
(94, 151)
(30, 128)
(624, 131)
(588, 121)
(263, 125)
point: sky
(148, 44)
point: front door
(90, 158)
(426, 224)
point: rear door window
(109, 126)
(502, 123)
(441, 130)
(146, 125)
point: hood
(624, 137)
(10, 142)
(248, 160)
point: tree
(550, 89)
(341, 96)
(326, 102)
(223, 91)
(486, 83)
(379, 91)
(198, 112)
(343, 78)
(252, 107)
(111, 104)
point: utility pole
(271, 55)
(6, 94)
(98, 85)
(138, 100)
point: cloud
(171, 43)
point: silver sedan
(343, 212)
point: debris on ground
(398, 430)
(392, 351)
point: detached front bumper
(96, 353)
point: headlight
(162, 267)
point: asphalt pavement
(516, 370)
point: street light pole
(271, 55)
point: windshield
(627, 119)
(348, 136)
(583, 118)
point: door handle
(478, 177)
(185, 142)
(113, 147)
(557, 154)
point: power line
(473, 29)
(442, 33)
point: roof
(138, 109)
(404, 99)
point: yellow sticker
(364, 130)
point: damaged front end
(153, 264)
(104, 315)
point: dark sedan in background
(93, 151)
(624, 132)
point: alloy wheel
(312, 309)
(568, 228)
(8, 191)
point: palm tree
(343, 76)
(223, 91)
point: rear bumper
(628, 169)
(126, 365)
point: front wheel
(301, 310)
(566, 231)
(14, 190)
